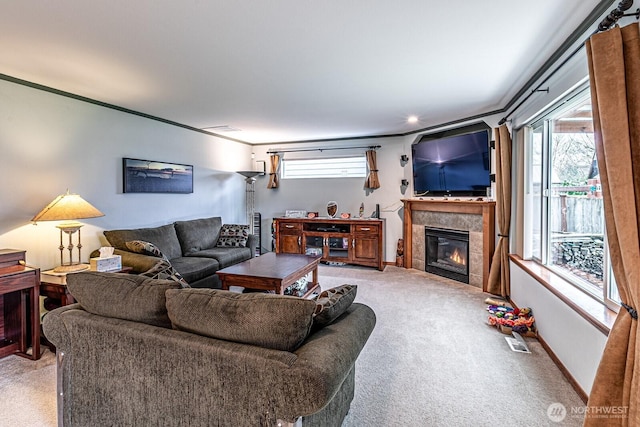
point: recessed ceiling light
(412, 119)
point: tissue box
(111, 263)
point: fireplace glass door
(447, 253)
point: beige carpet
(28, 391)
(431, 361)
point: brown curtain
(372, 180)
(614, 70)
(499, 281)
(273, 173)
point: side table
(53, 286)
(19, 311)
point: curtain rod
(370, 147)
(617, 13)
(610, 20)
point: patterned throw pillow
(145, 248)
(163, 268)
(233, 235)
(332, 303)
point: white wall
(50, 143)
(575, 341)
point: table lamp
(68, 207)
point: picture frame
(150, 176)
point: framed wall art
(149, 176)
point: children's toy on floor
(496, 301)
(508, 320)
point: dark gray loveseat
(191, 246)
(136, 351)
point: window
(567, 217)
(336, 167)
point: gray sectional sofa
(136, 351)
(192, 247)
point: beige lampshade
(67, 207)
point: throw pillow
(122, 296)
(163, 268)
(233, 235)
(332, 303)
(145, 248)
(266, 320)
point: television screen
(454, 165)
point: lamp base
(73, 268)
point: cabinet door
(365, 248)
(290, 244)
(338, 247)
(289, 238)
(367, 241)
(314, 245)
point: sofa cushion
(198, 234)
(332, 303)
(225, 256)
(233, 235)
(123, 296)
(193, 269)
(266, 320)
(164, 237)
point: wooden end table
(54, 285)
(272, 272)
(19, 311)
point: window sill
(593, 311)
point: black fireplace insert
(447, 253)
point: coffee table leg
(314, 276)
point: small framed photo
(149, 176)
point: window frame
(360, 171)
(543, 121)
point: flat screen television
(452, 165)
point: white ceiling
(288, 70)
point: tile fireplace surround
(475, 216)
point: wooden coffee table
(272, 271)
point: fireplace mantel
(486, 209)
